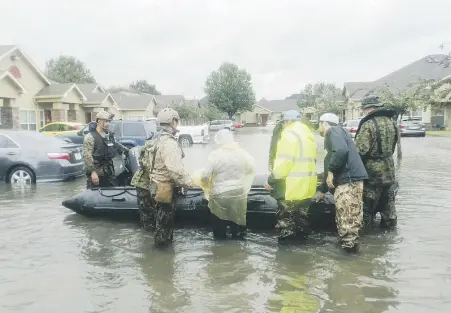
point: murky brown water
(52, 260)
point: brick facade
(58, 115)
(74, 116)
(10, 118)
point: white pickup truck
(188, 135)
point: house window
(137, 117)
(41, 119)
(27, 119)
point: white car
(351, 126)
(222, 124)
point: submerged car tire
(185, 140)
(21, 175)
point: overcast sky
(284, 44)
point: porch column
(10, 117)
(58, 115)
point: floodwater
(52, 260)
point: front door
(264, 119)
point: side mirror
(79, 133)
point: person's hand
(330, 179)
(321, 196)
(94, 178)
(268, 187)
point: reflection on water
(53, 260)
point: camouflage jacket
(375, 141)
(168, 165)
(90, 164)
(141, 178)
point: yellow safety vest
(296, 162)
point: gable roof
(278, 105)
(98, 98)
(138, 102)
(89, 88)
(4, 74)
(6, 50)
(430, 67)
(170, 99)
(58, 91)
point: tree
(144, 87)
(68, 69)
(186, 112)
(322, 97)
(230, 89)
(212, 113)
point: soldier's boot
(388, 224)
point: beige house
(266, 110)
(97, 99)
(20, 81)
(28, 100)
(429, 67)
(135, 106)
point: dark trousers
(104, 181)
(220, 228)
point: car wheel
(185, 141)
(21, 175)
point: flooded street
(53, 260)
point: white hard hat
(329, 117)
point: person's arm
(286, 149)
(88, 148)
(120, 147)
(339, 150)
(172, 158)
(363, 140)
(207, 171)
(273, 145)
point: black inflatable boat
(191, 206)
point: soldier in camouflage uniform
(141, 180)
(376, 140)
(99, 149)
(163, 158)
(276, 186)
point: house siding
(72, 97)
(8, 89)
(31, 81)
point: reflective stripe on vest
(298, 159)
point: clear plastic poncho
(227, 179)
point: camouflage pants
(164, 223)
(292, 220)
(349, 212)
(146, 205)
(380, 199)
(107, 177)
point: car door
(51, 129)
(9, 153)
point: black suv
(127, 132)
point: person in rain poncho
(228, 178)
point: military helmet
(103, 115)
(167, 115)
(291, 115)
(371, 101)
